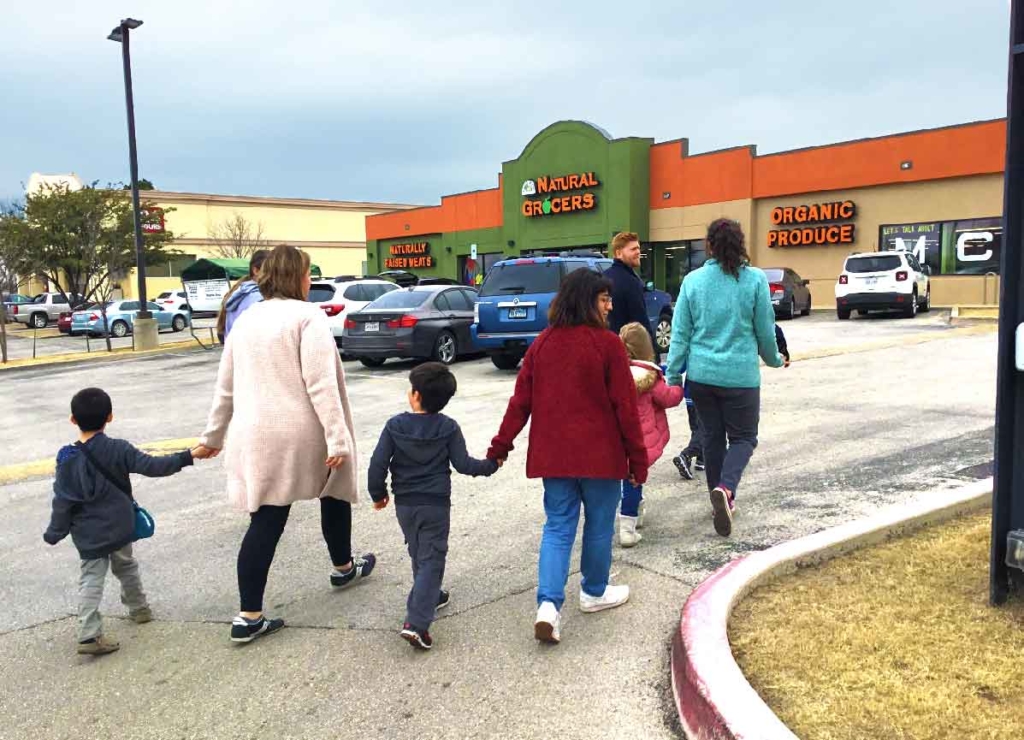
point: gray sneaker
(141, 616)
(98, 646)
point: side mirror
(649, 287)
(806, 283)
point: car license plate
(517, 313)
(371, 326)
(871, 281)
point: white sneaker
(612, 597)
(640, 516)
(547, 628)
(628, 536)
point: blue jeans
(631, 498)
(562, 500)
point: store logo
(414, 255)
(805, 234)
(555, 202)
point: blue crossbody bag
(145, 526)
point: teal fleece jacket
(720, 327)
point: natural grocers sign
(564, 194)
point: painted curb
(713, 698)
(98, 356)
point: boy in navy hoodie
(420, 449)
(99, 516)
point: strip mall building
(938, 193)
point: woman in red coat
(585, 438)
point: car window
(373, 291)
(441, 303)
(40, 298)
(320, 294)
(154, 306)
(914, 264)
(470, 297)
(774, 275)
(574, 265)
(796, 277)
(881, 263)
(355, 293)
(522, 277)
(458, 301)
(129, 306)
(165, 294)
(402, 299)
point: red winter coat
(576, 385)
(655, 395)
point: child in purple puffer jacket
(655, 395)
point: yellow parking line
(901, 341)
(42, 468)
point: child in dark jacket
(420, 449)
(99, 516)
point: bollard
(33, 340)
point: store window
(964, 247)
(473, 271)
(681, 258)
(170, 267)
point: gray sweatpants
(90, 589)
(426, 534)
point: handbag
(145, 525)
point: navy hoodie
(420, 450)
(98, 515)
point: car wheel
(791, 309)
(445, 348)
(911, 310)
(40, 320)
(372, 362)
(843, 313)
(862, 312)
(505, 361)
(663, 334)
(119, 329)
(807, 311)
(927, 305)
(179, 323)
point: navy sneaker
(362, 566)
(699, 464)
(682, 463)
(417, 638)
(247, 630)
(443, 600)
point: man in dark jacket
(628, 300)
(420, 449)
(99, 513)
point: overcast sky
(415, 100)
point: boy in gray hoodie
(420, 449)
(99, 513)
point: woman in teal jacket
(723, 322)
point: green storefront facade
(572, 188)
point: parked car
(43, 309)
(428, 321)
(789, 291)
(883, 281)
(345, 295)
(15, 299)
(121, 318)
(64, 322)
(172, 300)
(512, 309)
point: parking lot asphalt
(840, 436)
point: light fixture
(118, 33)
(907, 164)
(666, 195)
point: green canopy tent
(222, 269)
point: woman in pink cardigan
(281, 402)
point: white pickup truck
(43, 309)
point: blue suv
(512, 307)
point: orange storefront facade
(936, 192)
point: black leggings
(260, 543)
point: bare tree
(237, 237)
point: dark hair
(256, 261)
(91, 408)
(576, 301)
(435, 384)
(727, 245)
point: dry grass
(896, 641)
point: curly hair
(576, 301)
(726, 244)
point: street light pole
(121, 34)
(1008, 497)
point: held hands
(202, 452)
(382, 504)
(336, 461)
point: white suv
(883, 281)
(343, 295)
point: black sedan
(790, 294)
(422, 321)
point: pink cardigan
(655, 395)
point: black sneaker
(443, 600)
(361, 568)
(416, 638)
(682, 463)
(247, 630)
(699, 464)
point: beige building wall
(936, 200)
(691, 222)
